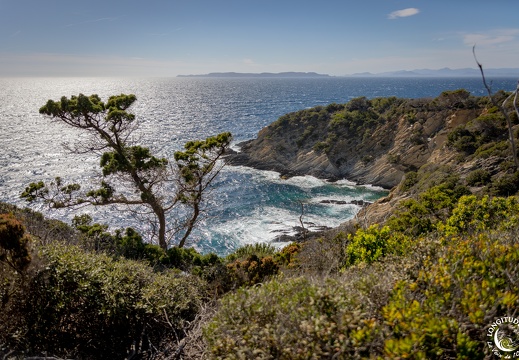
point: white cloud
(494, 37)
(403, 13)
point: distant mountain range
(264, 74)
(445, 72)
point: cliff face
(367, 141)
(383, 141)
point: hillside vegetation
(377, 141)
(421, 274)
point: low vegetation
(426, 283)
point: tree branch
(502, 109)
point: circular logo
(504, 332)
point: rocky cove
(379, 141)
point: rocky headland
(379, 141)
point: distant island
(291, 74)
(445, 72)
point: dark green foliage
(383, 104)
(251, 270)
(130, 166)
(463, 140)
(94, 236)
(126, 243)
(480, 136)
(136, 157)
(506, 184)
(89, 306)
(258, 249)
(479, 177)
(412, 218)
(131, 246)
(457, 99)
(499, 149)
(188, 258)
(33, 191)
(410, 179)
(356, 118)
(251, 264)
(333, 107)
(306, 134)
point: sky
(180, 37)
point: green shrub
(258, 249)
(478, 177)
(410, 179)
(252, 270)
(368, 245)
(366, 159)
(187, 258)
(374, 243)
(458, 99)
(463, 140)
(292, 319)
(506, 185)
(90, 306)
(393, 158)
(481, 214)
(422, 215)
(411, 218)
(287, 256)
(458, 292)
(500, 149)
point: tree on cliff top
(142, 179)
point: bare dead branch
(502, 109)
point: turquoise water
(247, 205)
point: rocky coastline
(374, 142)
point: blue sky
(172, 37)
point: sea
(245, 206)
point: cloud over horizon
(403, 13)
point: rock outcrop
(378, 141)
(367, 141)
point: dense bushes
(391, 295)
(87, 305)
(111, 293)
(457, 294)
(449, 287)
(291, 319)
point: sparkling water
(247, 205)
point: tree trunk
(191, 223)
(159, 212)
